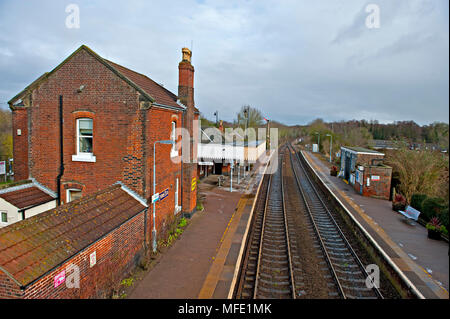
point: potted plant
(434, 228)
(399, 202)
(333, 171)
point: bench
(410, 213)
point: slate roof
(155, 90)
(27, 196)
(32, 247)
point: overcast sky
(293, 60)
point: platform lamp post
(246, 118)
(216, 114)
(154, 189)
(231, 175)
(331, 144)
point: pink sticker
(60, 278)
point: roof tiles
(34, 246)
(26, 197)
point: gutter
(168, 107)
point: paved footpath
(424, 261)
(201, 263)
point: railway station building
(218, 152)
(91, 123)
(364, 170)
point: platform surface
(424, 261)
(202, 262)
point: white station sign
(155, 198)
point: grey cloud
(294, 60)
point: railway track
(268, 267)
(346, 268)
(295, 248)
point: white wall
(39, 209)
(11, 210)
(14, 215)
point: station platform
(201, 263)
(424, 261)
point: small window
(4, 217)
(85, 136)
(73, 194)
(173, 138)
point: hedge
(417, 201)
(434, 206)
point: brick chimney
(186, 79)
(186, 96)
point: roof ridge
(142, 74)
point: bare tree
(419, 172)
(249, 116)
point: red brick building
(364, 169)
(90, 122)
(77, 250)
(86, 125)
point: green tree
(5, 134)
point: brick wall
(20, 145)
(8, 288)
(112, 105)
(377, 188)
(168, 169)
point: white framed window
(84, 140)
(177, 207)
(73, 194)
(4, 218)
(173, 138)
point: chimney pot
(187, 54)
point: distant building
(385, 144)
(364, 170)
(218, 151)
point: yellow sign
(193, 183)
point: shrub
(417, 200)
(399, 202)
(399, 198)
(434, 224)
(444, 230)
(433, 207)
(444, 217)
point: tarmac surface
(424, 261)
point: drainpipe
(183, 119)
(61, 153)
